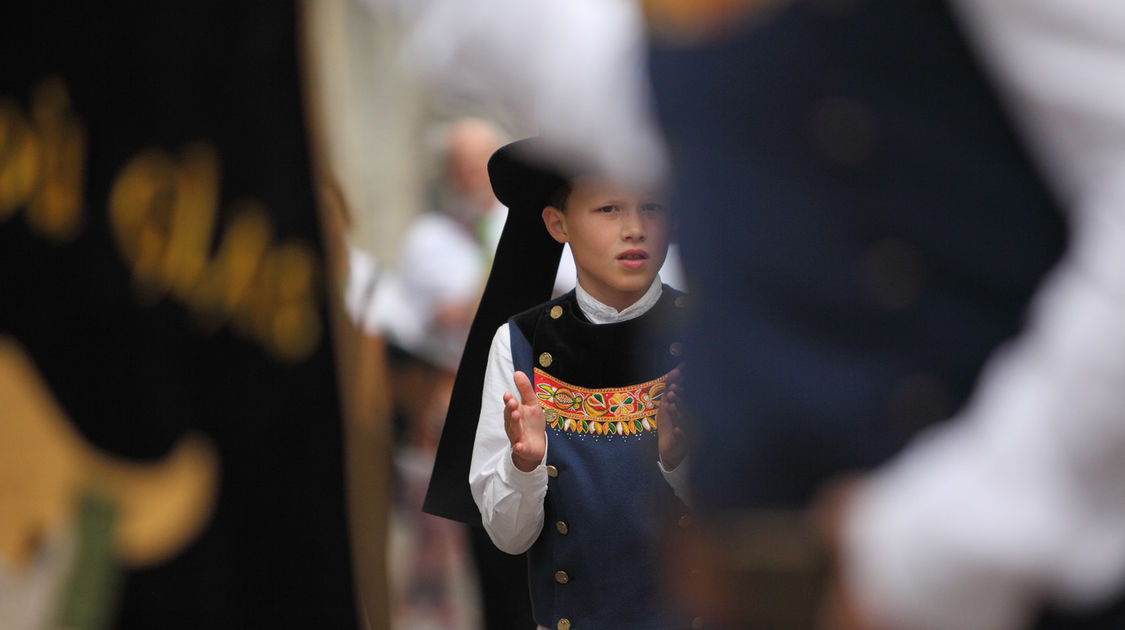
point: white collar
(599, 313)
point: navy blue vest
(596, 561)
(861, 230)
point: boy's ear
(556, 226)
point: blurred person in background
(423, 304)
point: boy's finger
(523, 385)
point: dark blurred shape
(847, 225)
(764, 570)
(160, 261)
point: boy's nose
(632, 227)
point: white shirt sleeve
(1021, 499)
(520, 57)
(510, 500)
(678, 479)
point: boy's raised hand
(669, 427)
(525, 425)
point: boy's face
(619, 238)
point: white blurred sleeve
(678, 479)
(361, 285)
(572, 71)
(1021, 499)
(510, 500)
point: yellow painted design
(45, 465)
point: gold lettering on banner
(233, 270)
(279, 309)
(43, 161)
(162, 214)
(19, 159)
(56, 210)
(269, 293)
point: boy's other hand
(669, 427)
(525, 425)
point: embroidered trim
(626, 410)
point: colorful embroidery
(611, 411)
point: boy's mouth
(633, 258)
(633, 254)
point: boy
(577, 467)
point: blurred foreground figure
(881, 190)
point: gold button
(561, 526)
(545, 359)
(892, 274)
(556, 311)
(564, 624)
(681, 301)
(550, 415)
(685, 521)
(561, 577)
(697, 623)
(675, 349)
(552, 471)
(844, 131)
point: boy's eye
(607, 209)
(652, 207)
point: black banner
(161, 268)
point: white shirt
(441, 263)
(1021, 499)
(510, 500)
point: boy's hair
(560, 195)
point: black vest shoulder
(604, 355)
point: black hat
(524, 178)
(525, 175)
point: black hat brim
(527, 174)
